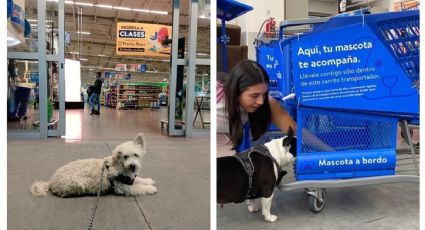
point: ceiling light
(121, 8)
(83, 4)
(141, 10)
(69, 2)
(84, 59)
(35, 20)
(82, 32)
(101, 55)
(158, 12)
(25, 61)
(104, 6)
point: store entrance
(35, 81)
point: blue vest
(246, 139)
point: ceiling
(95, 45)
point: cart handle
(299, 22)
(305, 21)
(289, 96)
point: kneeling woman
(244, 107)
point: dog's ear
(293, 149)
(140, 140)
(289, 136)
(116, 154)
(107, 163)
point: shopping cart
(352, 81)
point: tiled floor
(180, 166)
(384, 206)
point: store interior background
(298, 9)
(90, 39)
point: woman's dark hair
(222, 77)
(243, 75)
(98, 74)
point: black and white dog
(256, 174)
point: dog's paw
(252, 206)
(150, 189)
(144, 181)
(270, 218)
(149, 181)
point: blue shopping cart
(352, 81)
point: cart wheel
(317, 200)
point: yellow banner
(141, 39)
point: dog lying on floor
(115, 174)
(234, 183)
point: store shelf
(135, 95)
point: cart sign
(353, 70)
(141, 39)
(268, 58)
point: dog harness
(245, 159)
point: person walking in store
(245, 110)
(94, 98)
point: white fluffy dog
(113, 174)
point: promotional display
(267, 59)
(135, 67)
(121, 67)
(358, 145)
(141, 39)
(358, 68)
(354, 78)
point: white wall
(263, 10)
(323, 7)
(296, 9)
(251, 22)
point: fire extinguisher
(271, 30)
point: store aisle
(180, 167)
(113, 124)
